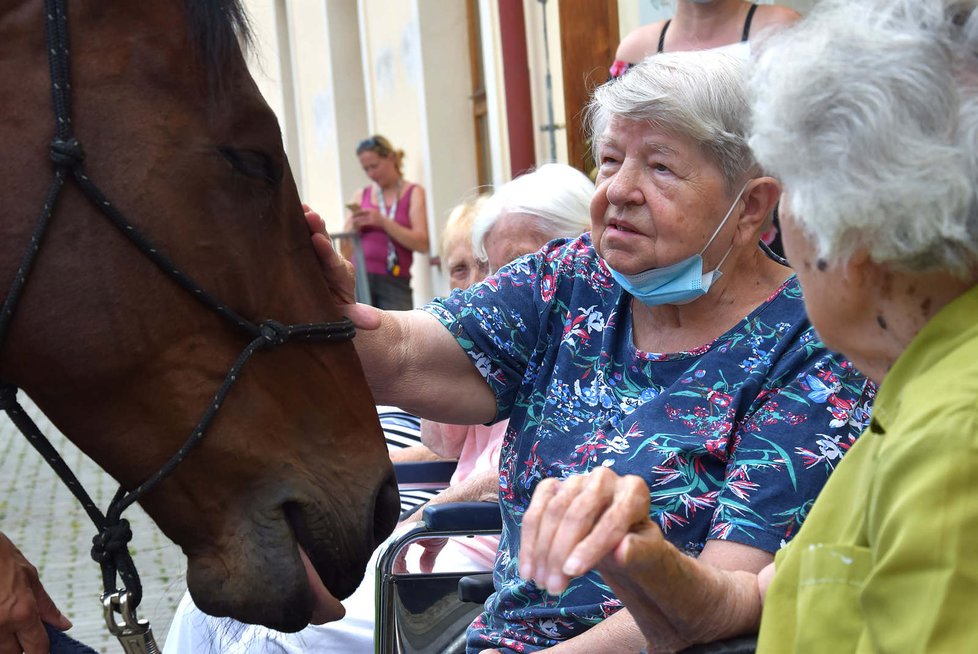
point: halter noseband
(109, 546)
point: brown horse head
(125, 362)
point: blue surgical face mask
(680, 283)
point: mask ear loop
(716, 269)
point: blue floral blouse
(734, 438)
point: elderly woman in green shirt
(868, 112)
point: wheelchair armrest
(441, 521)
(463, 517)
(475, 588)
(424, 474)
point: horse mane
(217, 29)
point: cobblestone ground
(45, 521)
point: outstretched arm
(676, 600)
(24, 604)
(410, 360)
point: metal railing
(359, 263)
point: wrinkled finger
(593, 494)
(328, 257)
(536, 513)
(314, 221)
(627, 510)
(363, 316)
(9, 644)
(548, 547)
(432, 548)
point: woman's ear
(759, 198)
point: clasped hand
(584, 522)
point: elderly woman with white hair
(868, 111)
(664, 343)
(549, 202)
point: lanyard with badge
(392, 264)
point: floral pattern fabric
(734, 438)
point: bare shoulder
(774, 16)
(417, 189)
(639, 43)
(417, 195)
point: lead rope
(110, 545)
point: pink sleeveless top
(374, 240)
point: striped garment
(401, 429)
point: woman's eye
(660, 168)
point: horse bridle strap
(110, 545)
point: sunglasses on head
(375, 144)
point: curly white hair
(867, 110)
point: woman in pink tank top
(390, 217)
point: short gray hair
(557, 196)
(701, 95)
(868, 112)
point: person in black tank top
(743, 37)
(650, 39)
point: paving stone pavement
(46, 522)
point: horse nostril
(387, 508)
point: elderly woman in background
(523, 214)
(868, 111)
(665, 343)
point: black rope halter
(109, 547)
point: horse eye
(253, 164)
